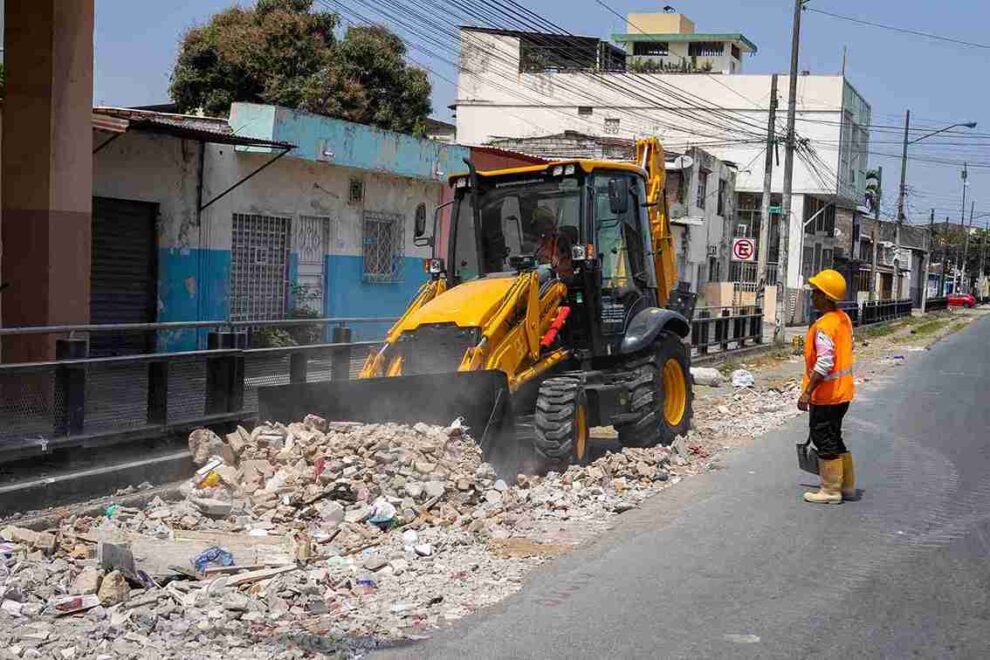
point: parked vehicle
(961, 300)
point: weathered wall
(194, 248)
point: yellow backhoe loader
(547, 315)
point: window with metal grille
(383, 246)
(651, 48)
(585, 110)
(355, 192)
(612, 125)
(259, 257)
(706, 49)
(702, 189)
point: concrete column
(47, 168)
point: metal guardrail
(884, 310)
(936, 304)
(80, 401)
(726, 328)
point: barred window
(383, 246)
(259, 267)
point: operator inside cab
(553, 247)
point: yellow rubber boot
(831, 491)
(848, 477)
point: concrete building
(914, 261)
(501, 96)
(667, 42)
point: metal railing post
(70, 419)
(340, 358)
(225, 373)
(158, 393)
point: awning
(688, 221)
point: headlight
(461, 182)
(569, 170)
(578, 253)
(557, 170)
(433, 266)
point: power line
(892, 28)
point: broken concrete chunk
(87, 581)
(707, 376)
(315, 423)
(204, 443)
(114, 589)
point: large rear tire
(561, 434)
(660, 388)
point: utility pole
(764, 245)
(962, 223)
(983, 251)
(963, 278)
(927, 262)
(945, 258)
(873, 235)
(900, 210)
(785, 211)
(873, 265)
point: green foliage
(282, 52)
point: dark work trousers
(825, 424)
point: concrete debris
(348, 531)
(114, 589)
(707, 376)
(742, 378)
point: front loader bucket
(480, 397)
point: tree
(873, 192)
(283, 53)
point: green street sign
(775, 209)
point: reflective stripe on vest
(839, 374)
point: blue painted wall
(339, 142)
(192, 286)
(350, 295)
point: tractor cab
(582, 223)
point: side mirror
(618, 195)
(420, 239)
(420, 226)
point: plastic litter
(383, 513)
(742, 378)
(212, 555)
(111, 510)
(70, 604)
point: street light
(900, 192)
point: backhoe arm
(650, 156)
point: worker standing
(828, 388)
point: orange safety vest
(838, 386)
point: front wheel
(661, 394)
(560, 424)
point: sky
(941, 83)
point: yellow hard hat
(830, 282)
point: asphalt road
(734, 564)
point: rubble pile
(314, 536)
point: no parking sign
(743, 249)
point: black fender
(648, 324)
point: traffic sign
(743, 249)
(775, 209)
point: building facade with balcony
(668, 43)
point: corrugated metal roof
(202, 129)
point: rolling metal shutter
(122, 274)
